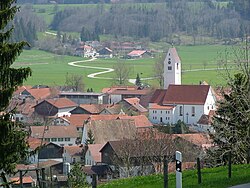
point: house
(77, 121)
(138, 54)
(132, 106)
(85, 98)
(93, 155)
(36, 93)
(102, 171)
(92, 109)
(60, 135)
(73, 154)
(104, 53)
(118, 93)
(34, 145)
(61, 121)
(23, 109)
(49, 152)
(204, 124)
(27, 181)
(181, 102)
(105, 130)
(55, 107)
(113, 109)
(89, 51)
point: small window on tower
(169, 68)
(169, 62)
(177, 66)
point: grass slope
(50, 69)
(211, 178)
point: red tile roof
(186, 94)
(77, 120)
(95, 108)
(57, 131)
(41, 93)
(135, 103)
(158, 96)
(26, 179)
(140, 121)
(160, 107)
(34, 143)
(199, 139)
(113, 88)
(94, 150)
(61, 102)
(206, 119)
(73, 150)
(137, 52)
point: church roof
(181, 94)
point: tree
(13, 145)
(91, 138)
(232, 120)
(74, 82)
(121, 72)
(180, 128)
(159, 69)
(138, 80)
(77, 178)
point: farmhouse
(138, 54)
(104, 53)
(55, 107)
(60, 135)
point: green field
(51, 69)
(211, 178)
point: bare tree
(121, 72)
(159, 69)
(74, 82)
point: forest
(162, 21)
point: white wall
(115, 98)
(172, 76)
(210, 103)
(65, 111)
(65, 142)
(89, 160)
(70, 159)
(156, 115)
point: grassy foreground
(211, 178)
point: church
(179, 102)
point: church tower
(172, 68)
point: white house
(89, 51)
(181, 102)
(72, 154)
(93, 156)
(60, 135)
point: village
(120, 132)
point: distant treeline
(158, 22)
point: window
(53, 139)
(177, 66)
(161, 112)
(60, 139)
(208, 107)
(193, 111)
(67, 139)
(169, 67)
(169, 62)
(47, 139)
(181, 111)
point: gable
(79, 110)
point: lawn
(211, 178)
(51, 69)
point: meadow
(211, 178)
(50, 69)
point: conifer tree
(13, 146)
(232, 120)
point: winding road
(107, 70)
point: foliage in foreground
(13, 146)
(211, 178)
